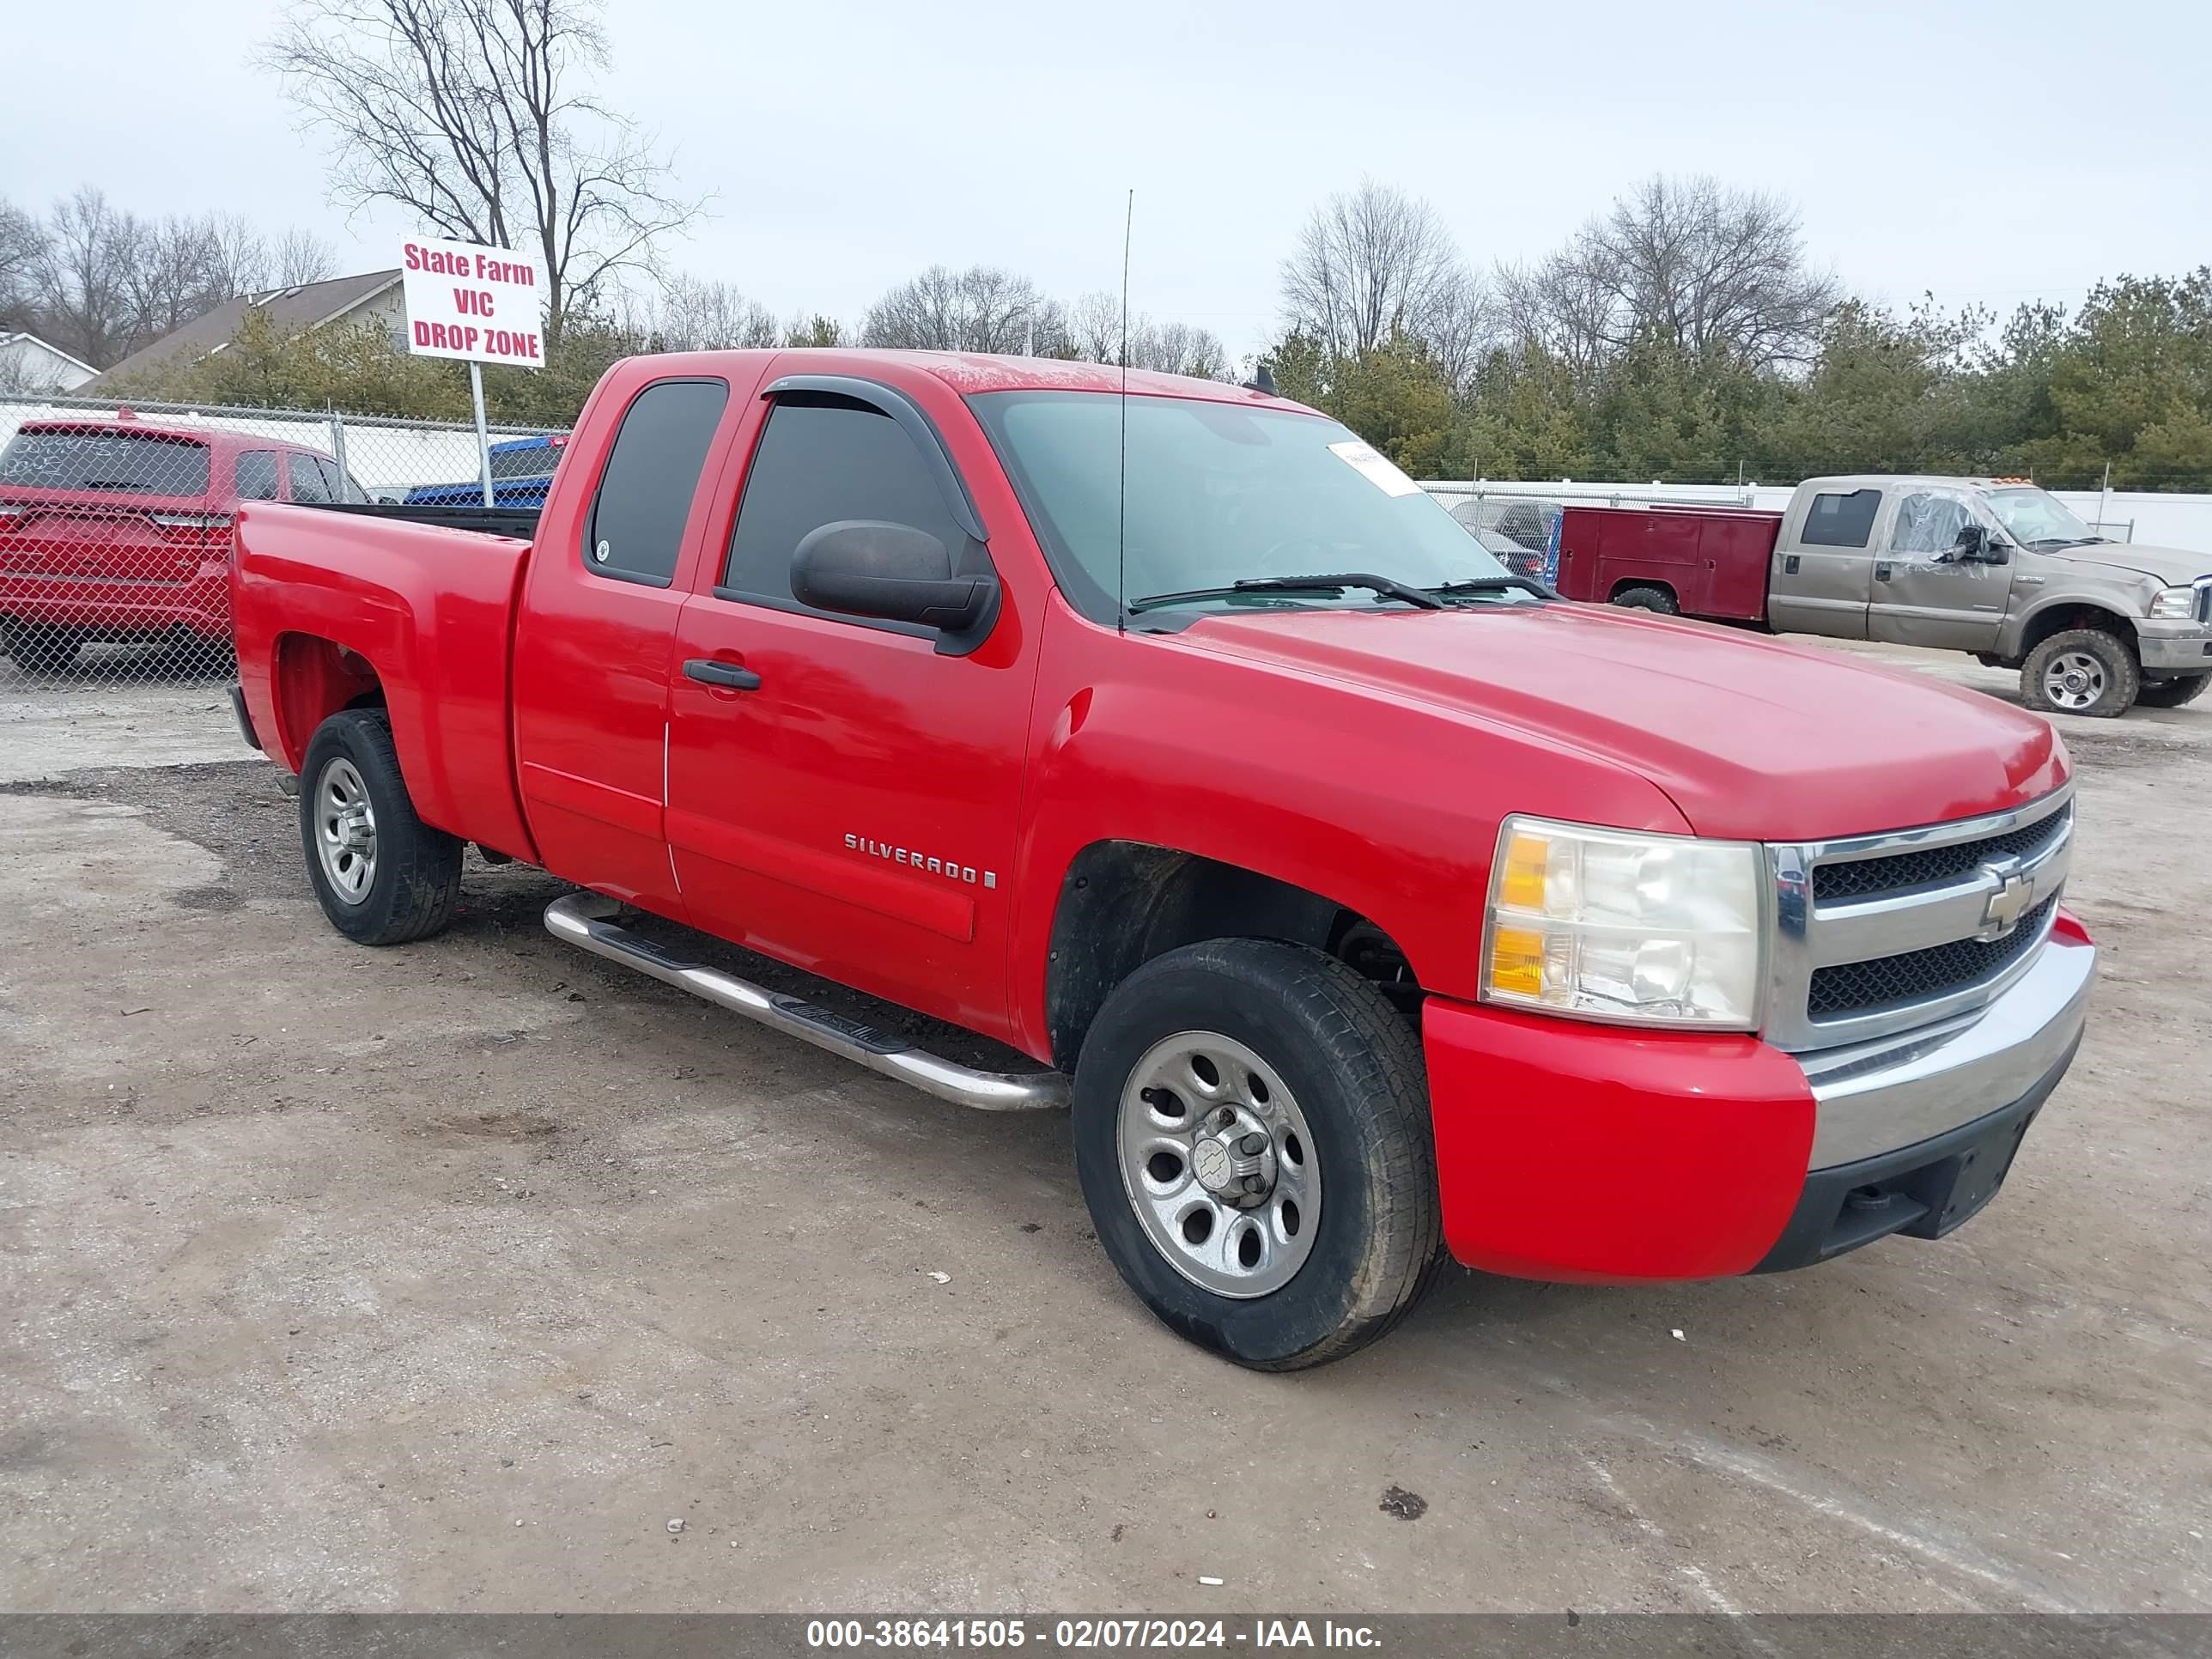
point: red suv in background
(120, 530)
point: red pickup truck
(1363, 902)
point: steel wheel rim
(2074, 679)
(345, 831)
(1187, 1172)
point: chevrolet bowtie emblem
(2016, 893)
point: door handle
(1881, 573)
(707, 672)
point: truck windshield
(2036, 518)
(1218, 494)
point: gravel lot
(446, 1277)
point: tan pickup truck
(2004, 571)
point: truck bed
(327, 592)
(518, 521)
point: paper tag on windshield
(1375, 469)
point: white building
(29, 364)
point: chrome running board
(585, 920)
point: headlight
(2175, 605)
(1602, 924)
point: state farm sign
(485, 304)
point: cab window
(309, 483)
(824, 459)
(256, 475)
(637, 528)
(1837, 518)
(1928, 523)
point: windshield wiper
(1493, 585)
(1389, 586)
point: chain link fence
(115, 517)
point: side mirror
(893, 572)
(1974, 546)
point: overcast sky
(1989, 152)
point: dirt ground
(447, 1277)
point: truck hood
(2175, 567)
(1750, 738)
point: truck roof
(1880, 480)
(971, 372)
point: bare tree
(1711, 270)
(980, 309)
(22, 244)
(1369, 264)
(474, 115)
(1094, 325)
(1461, 324)
(83, 278)
(1094, 329)
(1179, 348)
(693, 314)
(300, 257)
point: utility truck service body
(1997, 568)
(1362, 900)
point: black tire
(414, 880)
(2172, 692)
(43, 650)
(1354, 1067)
(1649, 598)
(2111, 690)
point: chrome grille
(1878, 934)
(1850, 987)
(1832, 882)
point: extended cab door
(842, 793)
(598, 623)
(1925, 592)
(1823, 573)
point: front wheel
(382, 876)
(2172, 692)
(1252, 1135)
(2084, 671)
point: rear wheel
(43, 650)
(382, 876)
(1649, 598)
(1252, 1135)
(2084, 671)
(2172, 692)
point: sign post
(483, 432)
(481, 305)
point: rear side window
(536, 462)
(125, 463)
(820, 462)
(256, 475)
(309, 483)
(1836, 519)
(636, 526)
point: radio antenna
(1122, 512)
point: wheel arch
(1123, 904)
(311, 678)
(2062, 616)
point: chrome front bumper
(2174, 648)
(1875, 1096)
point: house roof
(310, 305)
(23, 337)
